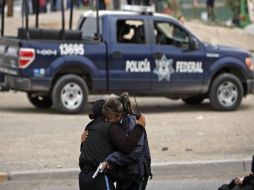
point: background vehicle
(143, 53)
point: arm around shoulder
(121, 142)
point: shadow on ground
(147, 108)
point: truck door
(176, 68)
(129, 56)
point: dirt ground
(31, 138)
(42, 139)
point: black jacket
(105, 138)
(248, 184)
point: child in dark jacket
(130, 171)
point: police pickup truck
(146, 54)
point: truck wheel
(226, 92)
(195, 100)
(40, 101)
(69, 94)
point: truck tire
(195, 100)
(40, 101)
(70, 94)
(226, 92)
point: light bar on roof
(138, 8)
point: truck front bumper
(250, 86)
(27, 85)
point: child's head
(181, 19)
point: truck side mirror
(193, 44)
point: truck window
(88, 28)
(130, 31)
(170, 34)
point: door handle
(117, 55)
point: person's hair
(125, 100)
(112, 106)
(179, 17)
(96, 111)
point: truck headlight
(249, 61)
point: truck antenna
(136, 105)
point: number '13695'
(72, 49)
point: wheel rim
(227, 94)
(72, 96)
